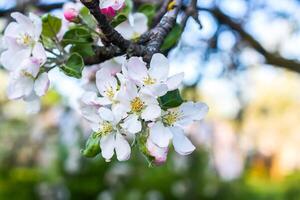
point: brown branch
(271, 58)
(160, 13)
(102, 54)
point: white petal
(192, 111)
(173, 82)
(31, 66)
(132, 124)
(122, 148)
(104, 101)
(155, 90)
(182, 144)
(19, 86)
(140, 23)
(23, 20)
(159, 154)
(33, 107)
(11, 30)
(126, 30)
(112, 66)
(39, 53)
(159, 67)
(107, 145)
(9, 61)
(41, 84)
(120, 111)
(90, 98)
(151, 112)
(137, 69)
(37, 23)
(160, 135)
(106, 114)
(105, 81)
(90, 113)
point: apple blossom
(158, 153)
(134, 26)
(171, 124)
(21, 39)
(110, 7)
(153, 81)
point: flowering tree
(135, 99)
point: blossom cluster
(129, 106)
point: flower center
(137, 105)
(25, 39)
(149, 81)
(110, 93)
(27, 74)
(106, 128)
(170, 118)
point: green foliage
(85, 50)
(171, 100)
(92, 147)
(149, 10)
(77, 35)
(74, 66)
(51, 25)
(172, 38)
(87, 17)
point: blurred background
(244, 63)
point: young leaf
(85, 50)
(74, 66)
(172, 38)
(87, 17)
(51, 25)
(170, 100)
(149, 10)
(77, 35)
(92, 147)
(123, 15)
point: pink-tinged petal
(30, 66)
(22, 20)
(19, 86)
(140, 23)
(151, 112)
(41, 84)
(106, 114)
(132, 124)
(181, 143)
(11, 30)
(122, 148)
(107, 145)
(39, 53)
(159, 67)
(173, 82)
(71, 14)
(159, 154)
(160, 135)
(9, 61)
(137, 69)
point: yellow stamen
(149, 81)
(106, 128)
(170, 118)
(137, 105)
(25, 39)
(110, 93)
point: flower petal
(106, 114)
(140, 23)
(125, 30)
(191, 112)
(151, 112)
(160, 135)
(19, 86)
(122, 147)
(107, 145)
(182, 144)
(156, 90)
(159, 67)
(9, 61)
(173, 82)
(41, 84)
(132, 124)
(137, 69)
(159, 154)
(39, 53)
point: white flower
(154, 81)
(171, 125)
(107, 126)
(21, 39)
(134, 27)
(89, 106)
(25, 81)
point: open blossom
(134, 26)
(110, 7)
(21, 39)
(153, 81)
(108, 128)
(171, 124)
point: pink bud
(159, 154)
(109, 12)
(71, 14)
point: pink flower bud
(159, 154)
(71, 15)
(109, 12)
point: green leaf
(92, 147)
(119, 19)
(170, 100)
(172, 38)
(123, 15)
(149, 10)
(85, 50)
(74, 66)
(87, 17)
(77, 35)
(51, 25)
